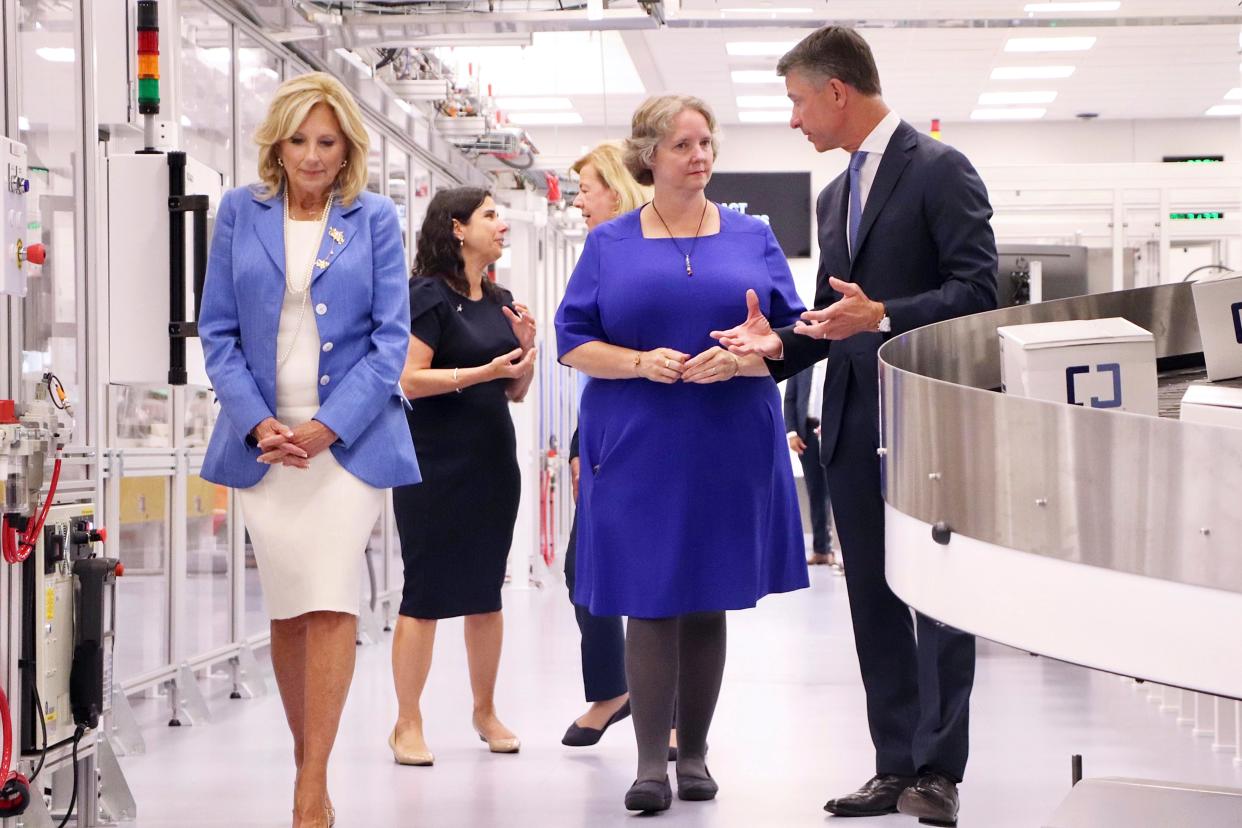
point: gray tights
(671, 661)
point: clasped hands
(853, 313)
(666, 365)
(295, 447)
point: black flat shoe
(578, 736)
(648, 795)
(672, 753)
(696, 788)
(877, 797)
(933, 799)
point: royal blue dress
(686, 497)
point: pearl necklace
(304, 289)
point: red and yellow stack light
(935, 129)
(148, 57)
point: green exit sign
(1197, 216)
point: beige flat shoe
(512, 745)
(419, 758)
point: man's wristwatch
(885, 325)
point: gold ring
(668, 363)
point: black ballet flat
(649, 796)
(696, 788)
(585, 736)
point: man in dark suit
(905, 241)
(802, 431)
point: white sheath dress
(309, 527)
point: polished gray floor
(789, 733)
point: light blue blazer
(361, 304)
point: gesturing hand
(514, 364)
(313, 437)
(796, 444)
(754, 336)
(713, 365)
(661, 365)
(851, 314)
(275, 440)
(523, 325)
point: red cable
(7, 757)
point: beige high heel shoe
(420, 758)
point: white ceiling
(935, 57)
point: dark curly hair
(439, 252)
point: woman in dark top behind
(471, 353)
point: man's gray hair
(834, 52)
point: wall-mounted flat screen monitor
(781, 199)
(1064, 272)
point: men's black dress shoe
(649, 795)
(696, 788)
(933, 799)
(879, 796)
(578, 736)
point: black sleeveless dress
(456, 526)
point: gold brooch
(322, 264)
(337, 235)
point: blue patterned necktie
(856, 207)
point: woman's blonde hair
(609, 164)
(652, 123)
(290, 106)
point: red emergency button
(120, 569)
(36, 254)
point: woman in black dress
(471, 353)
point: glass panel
(206, 88)
(257, 79)
(200, 417)
(399, 188)
(375, 162)
(142, 595)
(207, 594)
(139, 416)
(49, 125)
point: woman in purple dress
(687, 500)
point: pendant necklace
(685, 254)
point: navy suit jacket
(925, 249)
(360, 302)
(797, 401)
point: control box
(49, 625)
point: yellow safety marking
(50, 611)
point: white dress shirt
(874, 145)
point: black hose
(1204, 267)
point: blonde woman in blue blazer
(305, 324)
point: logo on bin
(1104, 368)
(1236, 307)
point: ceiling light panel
(1014, 114)
(1225, 110)
(1003, 98)
(555, 64)
(1049, 44)
(1234, 94)
(1031, 72)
